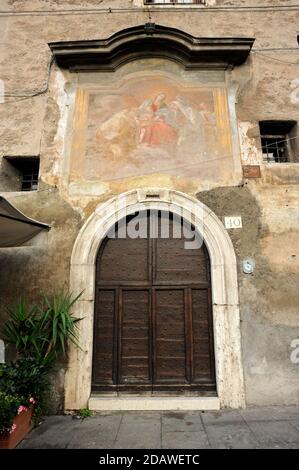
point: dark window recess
(24, 171)
(279, 141)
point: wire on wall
(178, 167)
(23, 95)
(168, 8)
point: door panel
(169, 336)
(134, 338)
(203, 358)
(104, 337)
(124, 261)
(173, 263)
(153, 321)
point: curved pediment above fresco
(152, 40)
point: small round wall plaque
(248, 266)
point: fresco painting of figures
(155, 125)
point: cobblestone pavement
(270, 427)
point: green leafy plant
(27, 379)
(42, 332)
(22, 329)
(9, 406)
(40, 335)
(85, 413)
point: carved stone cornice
(151, 40)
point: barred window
(279, 141)
(21, 173)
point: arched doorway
(153, 327)
(225, 301)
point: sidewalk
(270, 427)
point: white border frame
(225, 299)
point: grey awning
(15, 228)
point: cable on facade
(145, 7)
(23, 95)
(240, 154)
(201, 163)
(295, 64)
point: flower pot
(22, 426)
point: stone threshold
(163, 403)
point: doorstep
(163, 403)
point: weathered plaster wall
(29, 271)
(269, 297)
(266, 88)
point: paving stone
(141, 417)
(231, 435)
(267, 427)
(270, 413)
(185, 440)
(287, 412)
(98, 432)
(54, 433)
(218, 417)
(188, 422)
(139, 431)
(295, 423)
(275, 434)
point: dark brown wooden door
(153, 323)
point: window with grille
(21, 173)
(279, 141)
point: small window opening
(279, 141)
(22, 173)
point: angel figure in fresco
(156, 126)
(193, 124)
(116, 136)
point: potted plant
(15, 418)
(40, 335)
(22, 388)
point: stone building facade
(192, 107)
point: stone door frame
(225, 302)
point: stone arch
(228, 361)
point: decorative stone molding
(229, 372)
(151, 40)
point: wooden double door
(153, 323)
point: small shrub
(85, 413)
(40, 335)
(10, 406)
(25, 379)
(42, 332)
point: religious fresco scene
(154, 124)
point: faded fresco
(152, 125)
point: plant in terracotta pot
(40, 335)
(15, 419)
(26, 380)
